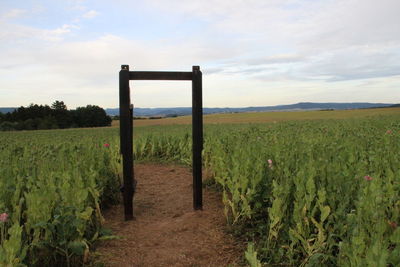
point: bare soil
(166, 230)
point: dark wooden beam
(126, 128)
(160, 75)
(197, 136)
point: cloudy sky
(252, 53)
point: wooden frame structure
(126, 129)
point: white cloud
(77, 4)
(275, 59)
(12, 14)
(88, 70)
(90, 14)
(57, 33)
(23, 35)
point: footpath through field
(166, 231)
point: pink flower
(270, 163)
(3, 217)
(389, 132)
(393, 225)
(106, 145)
(368, 178)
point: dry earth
(166, 231)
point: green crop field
(311, 192)
(52, 185)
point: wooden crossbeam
(160, 75)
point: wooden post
(197, 136)
(126, 140)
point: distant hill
(7, 110)
(180, 111)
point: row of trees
(56, 116)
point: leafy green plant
(303, 193)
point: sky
(251, 53)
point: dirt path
(166, 231)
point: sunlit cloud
(251, 52)
(90, 14)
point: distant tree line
(56, 116)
